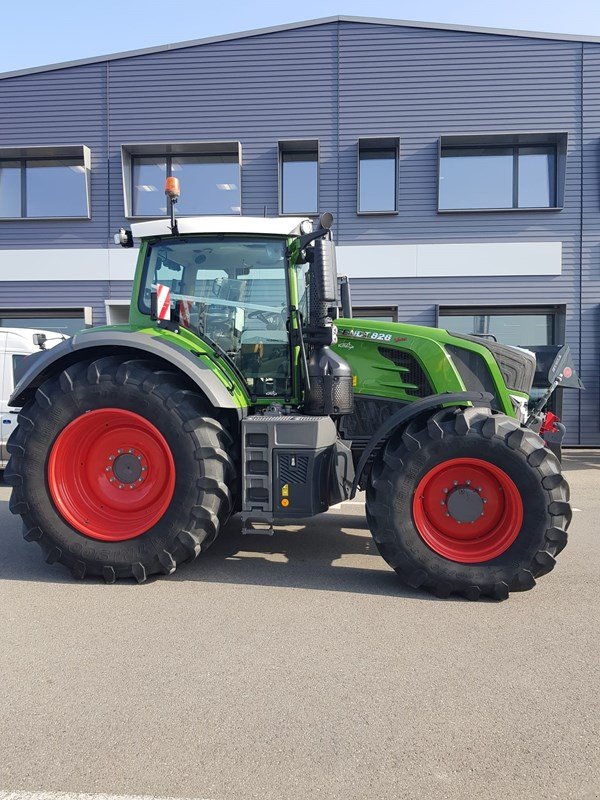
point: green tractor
(237, 387)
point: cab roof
(269, 226)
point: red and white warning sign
(184, 308)
(163, 301)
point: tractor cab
(234, 292)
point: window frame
(376, 311)
(296, 146)
(168, 151)
(22, 155)
(558, 140)
(374, 143)
(85, 313)
(557, 310)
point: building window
(64, 321)
(378, 176)
(506, 172)
(523, 326)
(376, 313)
(209, 173)
(44, 182)
(299, 177)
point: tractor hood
(516, 364)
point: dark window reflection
(515, 329)
(477, 177)
(67, 326)
(537, 177)
(210, 184)
(498, 177)
(299, 182)
(149, 187)
(10, 189)
(55, 188)
(377, 179)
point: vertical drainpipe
(581, 200)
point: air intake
(412, 375)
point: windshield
(232, 291)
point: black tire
(468, 433)
(202, 449)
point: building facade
(462, 167)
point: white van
(15, 345)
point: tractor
(242, 384)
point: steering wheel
(272, 319)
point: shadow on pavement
(306, 555)
(327, 552)
(575, 460)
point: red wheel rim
(467, 510)
(111, 474)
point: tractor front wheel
(469, 502)
(120, 470)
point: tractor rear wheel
(468, 502)
(120, 470)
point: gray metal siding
(336, 82)
(590, 262)
(56, 294)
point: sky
(37, 32)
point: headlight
(306, 226)
(520, 406)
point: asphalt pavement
(298, 666)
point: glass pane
(303, 284)
(65, 325)
(55, 188)
(231, 290)
(209, 184)
(476, 177)
(521, 330)
(17, 361)
(10, 189)
(299, 183)
(149, 187)
(377, 180)
(375, 317)
(537, 177)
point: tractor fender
(48, 362)
(405, 414)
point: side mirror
(39, 340)
(326, 220)
(345, 296)
(124, 238)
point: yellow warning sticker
(355, 380)
(285, 490)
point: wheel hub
(127, 468)
(465, 504)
